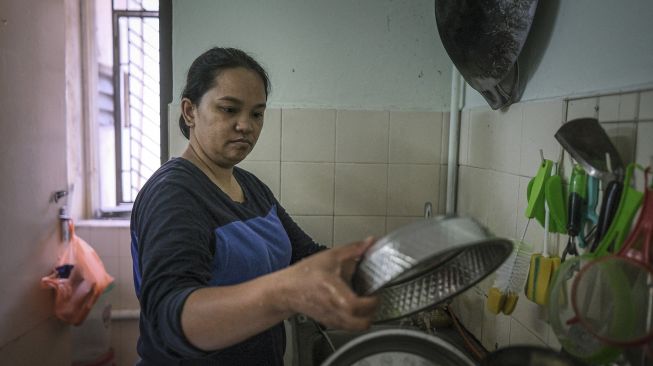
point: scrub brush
(503, 295)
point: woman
(216, 258)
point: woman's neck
(222, 177)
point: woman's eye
(229, 110)
(258, 115)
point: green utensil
(630, 202)
(555, 198)
(535, 191)
(576, 201)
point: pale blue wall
(586, 46)
(362, 54)
(385, 54)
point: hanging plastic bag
(78, 280)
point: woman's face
(229, 117)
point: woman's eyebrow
(240, 102)
(231, 99)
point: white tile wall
(502, 191)
(362, 136)
(644, 154)
(444, 145)
(268, 146)
(541, 121)
(582, 108)
(618, 107)
(308, 135)
(628, 106)
(506, 140)
(442, 194)
(347, 229)
(495, 192)
(481, 127)
(463, 149)
(361, 189)
(307, 188)
(320, 228)
(624, 137)
(646, 106)
(415, 137)
(410, 186)
(609, 108)
(267, 171)
(519, 334)
(394, 222)
(111, 240)
(472, 201)
(496, 330)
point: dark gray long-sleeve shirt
(187, 234)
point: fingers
(352, 312)
(355, 250)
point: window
(136, 104)
(128, 127)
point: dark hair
(206, 67)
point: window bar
(129, 174)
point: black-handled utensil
(609, 204)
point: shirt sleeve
(174, 255)
(302, 244)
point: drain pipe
(125, 314)
(454, 141)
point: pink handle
(643, 229)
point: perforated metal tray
(424, 263)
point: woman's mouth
(242, 141)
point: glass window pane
(140, 125)
(138, 5)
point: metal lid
(422, 264)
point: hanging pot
(484, 39)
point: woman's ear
(188, 111)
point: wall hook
(56, 196)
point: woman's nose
(244, 124)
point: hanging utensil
(612, 296)
(589, 144)
(590, 218)
(577, 191)
(484, 39)
(540, 270)
(573, 337)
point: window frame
(95, 208)
(117, 97)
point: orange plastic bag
(78, 280)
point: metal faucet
(428, 210)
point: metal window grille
(136, 97)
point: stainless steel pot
(419, 265)
(397, 347)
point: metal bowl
(424, 263)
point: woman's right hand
(319, 287)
